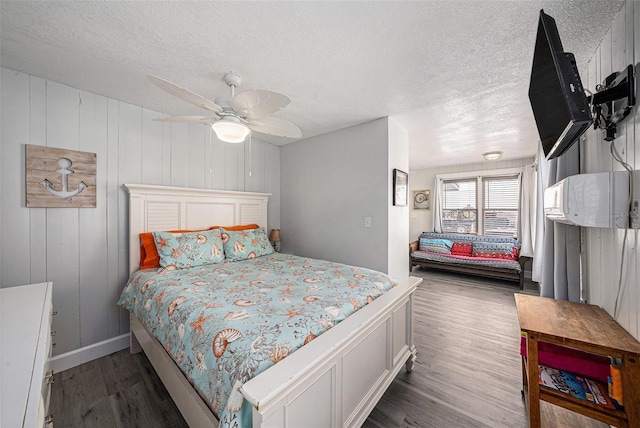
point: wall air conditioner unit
(590, 200)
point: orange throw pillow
(149, 257)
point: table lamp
(274, 237)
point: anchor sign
(64, 170)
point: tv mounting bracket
(614, 100)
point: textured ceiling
(454, 73)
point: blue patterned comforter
(223, 324)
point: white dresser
(25, 348)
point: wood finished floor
(467, 373)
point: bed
(333, 380)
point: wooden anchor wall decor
(59, 178)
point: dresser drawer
(47, 379)
(45, 397)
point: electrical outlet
(367, 222)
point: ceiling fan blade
(188, 119)
(258, 103)
(275, 126)
(184, 94)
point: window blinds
(459, 210)
(500, 207)
(497, 214)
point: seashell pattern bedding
(225, 323)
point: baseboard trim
(77, 357)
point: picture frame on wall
(400, 188)
(60, 178)
(422, 199)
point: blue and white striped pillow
(441, 246)
(495, 250)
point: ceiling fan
(235, 115)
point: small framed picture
(400, 188)
(422, 200)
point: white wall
(398, 257)
(85, 251)
(603, 247)
(421, 220)
(329, 184)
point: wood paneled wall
(85, 251)
(602, 248)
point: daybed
(335, 379)
(491, 256)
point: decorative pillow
(462, 249)
(442, 246)
(246, 244)
(495, 250)
(149, 257)
(189, 249)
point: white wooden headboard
(153, 208)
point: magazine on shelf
(576, 386)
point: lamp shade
(229, 131)
(274, 236)
(492, 156)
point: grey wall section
(398, 251)
(85, 251)
(329, 184)
(602, 249)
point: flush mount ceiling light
(492, 156)
(230, 131)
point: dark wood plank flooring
(467, 373)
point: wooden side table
(588, 328)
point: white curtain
(542, 177)
(561, 250)
(528, 195)
(437, 201)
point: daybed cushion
(495, 250)
(463, 237)
(462, 248)
(442, 246)
(185, 250)
(464, 260)
(474, 251)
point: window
(459, 210)
(484, 204)
(500, 208)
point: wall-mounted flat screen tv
(560, 106)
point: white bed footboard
(337, 379)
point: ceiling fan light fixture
(230, 131)
(492, 156)
(236, 116)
